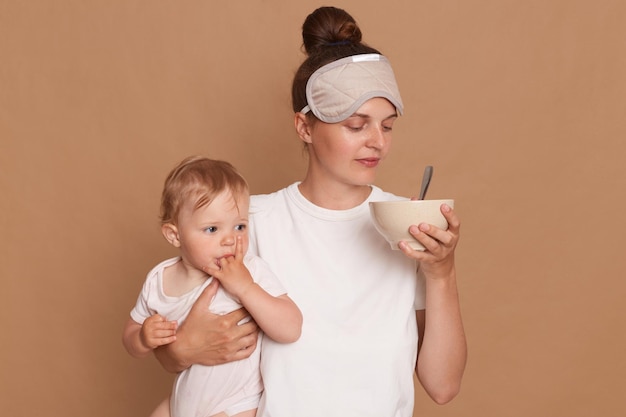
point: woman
(364, 305)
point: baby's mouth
(218, 261)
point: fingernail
(424, 227)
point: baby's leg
(163, 409)
(247, 413)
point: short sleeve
(141, 311)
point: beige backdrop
(519, 105)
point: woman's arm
(442, 350)
(209, 339)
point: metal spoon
(428, 173)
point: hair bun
(329, 27)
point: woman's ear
(303, 128)
(170, 232)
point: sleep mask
(335, 91)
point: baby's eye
(210, 229)
(240, 227)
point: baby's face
(210, 233)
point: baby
(204, 213)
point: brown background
(519, 105)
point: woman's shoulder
(265, 202)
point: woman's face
(349, 151)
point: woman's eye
(387, 128)
(240, 227)
(210, 229)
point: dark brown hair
(328, 34)
(199, 180)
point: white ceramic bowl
(392, 219)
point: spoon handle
(428, 173)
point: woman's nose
(376, 138)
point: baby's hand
(157, 331)
(232, 273)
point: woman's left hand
(438, 257)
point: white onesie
(201, 391)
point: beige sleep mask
(335, 91)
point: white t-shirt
(206, 390)
(358, 348)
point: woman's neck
(335, 196)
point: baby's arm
(156, 331)
(278, 317)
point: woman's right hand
(209, 339)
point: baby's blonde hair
(199, 180)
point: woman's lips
(369, 162)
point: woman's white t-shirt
(358, 348)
